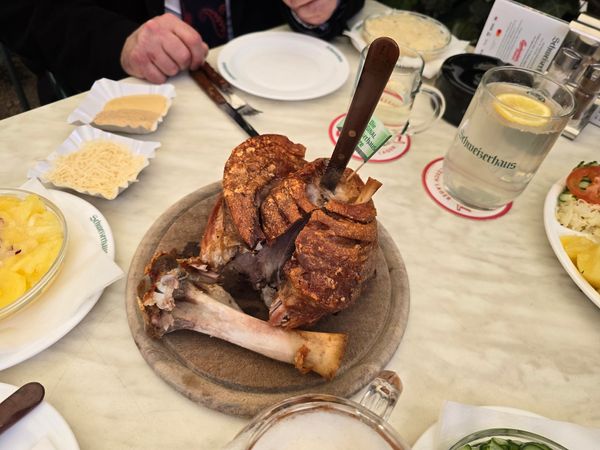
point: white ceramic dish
(84, 134)
(283, 65)
(432, 67)
(427, 440)
(104, 90)
(42, 424)
(554, 230)
(54, 328)
(357, 32)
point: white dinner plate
(554, 230)
(283, 66)
(42, 425)
(427, 439)
(37, 340)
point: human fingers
(163, 61)
(177, 51)
(153, 74)
(193, 41)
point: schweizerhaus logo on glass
(486, 157)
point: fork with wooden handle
(226, 88)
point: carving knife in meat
(379, 64)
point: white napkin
(86, 270)
(456, 47)
(458, 420)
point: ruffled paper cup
(104, 90)
(80, 136)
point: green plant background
(466, 19)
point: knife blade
(213, 93)
(19, 403)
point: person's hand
(312, 12)
(161, 47)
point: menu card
(521, 36)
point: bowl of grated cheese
(417, 31)
(95, 162)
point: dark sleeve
(78, 41)
(334, 26)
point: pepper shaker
(586, 48)
(587, 89)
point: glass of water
(395, 106)
(511, 124)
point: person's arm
(324, 19)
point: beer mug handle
(382, 394)
(439, 106)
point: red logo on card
(519, 50)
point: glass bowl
(519, 436)
(428, 36)
(45, 280)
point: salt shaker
(587, 89)
(586, 48)
(564, 65)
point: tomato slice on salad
(584, 183)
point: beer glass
(327, 422)
(395, 107)
(511, 124)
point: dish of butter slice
(132, 113)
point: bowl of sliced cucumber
(505, 439)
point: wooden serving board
(236, 381)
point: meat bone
(379, 64)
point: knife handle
(210, 89)
(377, 68)
(20, 403)
(215, 76)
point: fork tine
(248, 110)
(240, 105)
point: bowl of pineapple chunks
(33, 242)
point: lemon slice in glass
(523, 110)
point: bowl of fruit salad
(33, 243)
(505, 439)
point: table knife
(19, 403)
(213, 93)
(215, 77)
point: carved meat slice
(221, 241)
(250, 172)
(334, 257)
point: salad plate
(427, 441)
(554, 230)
